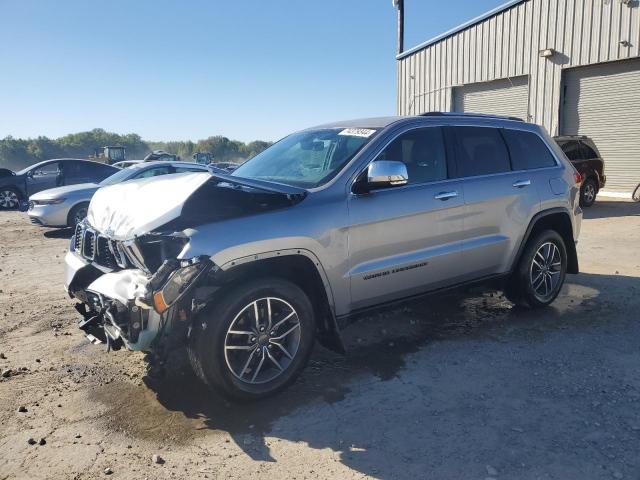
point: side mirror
(386, 173)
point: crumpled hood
(61, 192)
(135, 207)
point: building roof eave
(459, 28)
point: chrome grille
(104, 254)
(77, 238)
(118, 254)
(89, 244)
(98, 248)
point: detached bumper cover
(112, 310)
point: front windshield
(118, 177)
(307, 159)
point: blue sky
(188, 69)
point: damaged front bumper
(130, 307)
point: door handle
(522, 183)
(445, 195)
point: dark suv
(585, 157)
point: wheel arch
(82, 202)
(17, 190)
(301, 267)
(557, 219)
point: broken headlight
(177, 283)
(148, 252)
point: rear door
(187, 169)
(155, 171)
(76, 172)
(499, 202)
(405, 240)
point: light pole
(399, 4)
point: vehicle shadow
(59, 233)
(612, 208)
(337, 402)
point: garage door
(508, 96)
(603, 102)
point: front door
(44, 177)
(405, 240)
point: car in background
(161, 155)
(17, 187)
(66, 206)
(127, 163)
(5, 172)
(226, 166)
(586, 159)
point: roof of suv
(571, 137)
(382, 122)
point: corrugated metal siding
(603, 102)
(501, 97)
(508, 44)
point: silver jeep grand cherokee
(246, 270)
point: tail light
(577, 176)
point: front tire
(254, 340)
(541, 271)
(9, 198)
(588, 192)
(77, 214)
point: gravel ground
(457, 387)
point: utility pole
(399, 4)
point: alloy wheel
(545, 271)
(589, 193)
(9, 199)
(79, 216)
(262, 340)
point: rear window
(527, 150)
(571, 149)
(481, 151)
(588, 153)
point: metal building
(572, 66)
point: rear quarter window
(587, 152)
(571, 149)
(527, 150)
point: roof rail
(474, 115)
(579, 137)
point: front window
(307, 159)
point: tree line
(16, 153)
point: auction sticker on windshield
(357, 132)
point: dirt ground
(459, 387)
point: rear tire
(248, 358)
(588, 192)
(540, 273)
